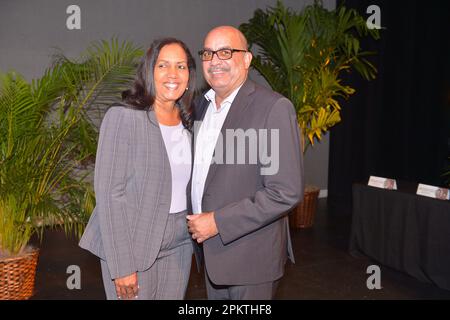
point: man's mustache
(222, 69)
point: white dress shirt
(206, 142)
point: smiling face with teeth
(171, 74)
(224, 76)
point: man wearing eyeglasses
(239, 213)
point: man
(240, 209)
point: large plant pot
(303, 215)
(17, 275)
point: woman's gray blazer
(133, 192)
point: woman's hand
(127, 287)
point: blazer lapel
(152, 117)
(234, 116)
(238, 106)
(203, 106)
(200, 108)
(198, 119)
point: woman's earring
(187, 89)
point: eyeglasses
(222, 54)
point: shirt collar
(211, 95)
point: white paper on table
(433, 192)
(383, 183)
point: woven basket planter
(303, 215)
(17, 275)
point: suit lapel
(238, 106)
(152, 117)
(203, 106)
(198, 119)
(200, 107)
(234, 116)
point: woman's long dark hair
(142, 94)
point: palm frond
(302, 55)
(49, 130)
(93, 83)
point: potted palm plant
(303, 56)
(45, 129)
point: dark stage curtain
(399, 124)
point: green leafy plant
(47, 132)
(92, 83)
(303, 55)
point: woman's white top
(177, 140)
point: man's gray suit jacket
(250, 208)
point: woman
(143, 165)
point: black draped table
(404, 231)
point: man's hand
(127, 287)
(202, 226)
